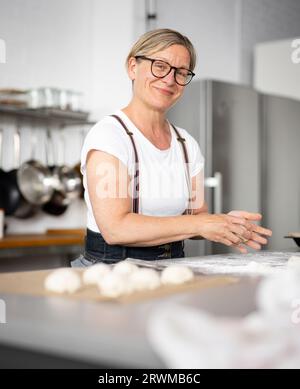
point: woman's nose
(170, 78)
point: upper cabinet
(277, 68)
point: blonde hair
(160, 39)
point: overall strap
(181, 140)
(135, 201)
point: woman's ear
(131, 68)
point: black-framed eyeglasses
(161, 69)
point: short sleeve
(106, 136)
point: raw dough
(144, 279)
(114, 285)
(95, 273)
(63, 280)
(176, 274)
(125, 268)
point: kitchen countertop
(102, 334)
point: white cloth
(188, 338)
(163, 185)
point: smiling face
(158, 93)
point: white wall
(212, 28)
(263, 21)
(76, 44)
(226, 32)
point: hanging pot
(58, 203)
(35, 180)
(10, 194)
(69, 178)
(78, 165)
(17, 205)
(3, 193)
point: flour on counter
(258, 263)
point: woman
(143, 177)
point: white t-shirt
(163, 189)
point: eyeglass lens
(161, 69)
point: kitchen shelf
(49, 114)
(41, 240)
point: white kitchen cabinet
(277, 67)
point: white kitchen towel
(186, 337)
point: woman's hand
(227, 229)
(258, 234)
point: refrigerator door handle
(215, 183)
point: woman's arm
(108, 182)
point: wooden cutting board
(32, 283)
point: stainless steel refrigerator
(251, 144)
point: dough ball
(144, 279)
(176, 274)
(63, 280)
(95, 273)
(125, 268)
(113, 285)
